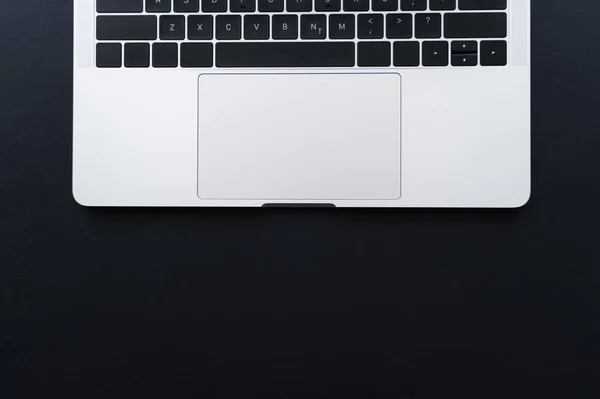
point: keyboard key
(214, 6)
(119, 5)
(124, 27)
(374, 54)
(196, 55)
(200, 27)
(299, 5)
(165, 55)
(406, 54)
(285, 27)
(172, 27)
(256, 27)
(442, 5)
(493, 53)
(370, 26)
(341, 26)
(435, 53)
(313, 26)
(356, 5)
(464, 60)
(229, 27)
(399, 26)
(328, 5)
(186, 5)
(108, 55)
(270, 5)
(293, 54)
(385, 5)
(242, 5)
(137, 55)
(482, 4)
(428, 26)
(464, 47)
(158, 5)
(475, 25)
(413, 5)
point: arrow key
(493, 53)
(435, 53)
(464, 47)
(464, 60)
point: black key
(256, 27)
(229, 27)
(493, 53)
(196, 55)
(370, 26)
(137, 55)
(119, 5)
(464, 60)
(285, 27)
(435, 53)
(464, 47)
(165, 55)
(214, 5)
(385, 5)
(293, 54)
(313, 26)
(356, 5)
(200, 27)
(242, 5)
(124, 27)
(442, 5)
(186, 5)
(108, 55)
(341, 26)
(428, 26)
(399, 26)
(482, 4)
(374, 54)
(299, 5)
(328, 5)
(270, 5)
(172, 27)
(413, 5)
(464, 53)
(158, 5)
(475, 25)
(406, 54)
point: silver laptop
(346, 103)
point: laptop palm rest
(311, 137)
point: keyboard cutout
(315, 136)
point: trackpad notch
(299, 136)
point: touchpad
(299, 136)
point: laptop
(344, 103)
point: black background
(255, 303)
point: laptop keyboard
(300, 33)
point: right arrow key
(493, 53)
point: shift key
(465, 25)
(138, 27)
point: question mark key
(428, 26)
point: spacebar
(285, 54)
